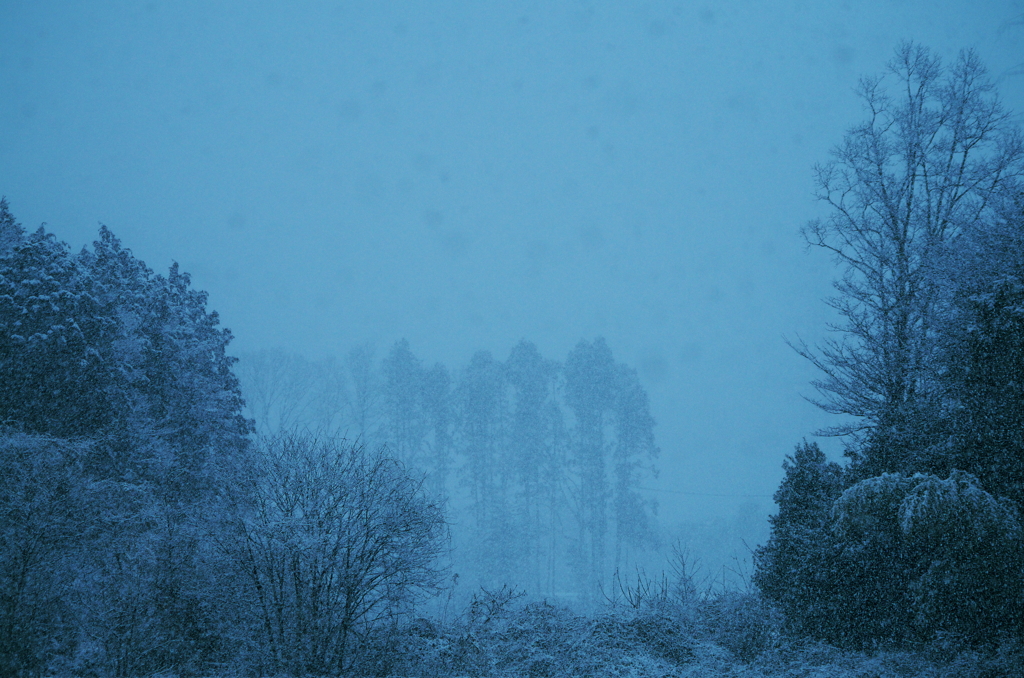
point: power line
(709, 494)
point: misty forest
(169, 507)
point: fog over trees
(168, 509)
(540, 465)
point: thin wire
(708, 494)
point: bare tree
(336, 544)
(279, 389)
(286, 391)
(924, 168)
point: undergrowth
(659, 629)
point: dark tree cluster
(919, 537)
(141, 529)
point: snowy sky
(466, 174)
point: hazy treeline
(147, 527)
(540, 463)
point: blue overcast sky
(466, 174)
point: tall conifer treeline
(541, 463)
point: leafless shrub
(337, 544)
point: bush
(500, 635)
(743, 623)
(901, 560)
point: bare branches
(335, 542)
(926, 166)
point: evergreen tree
(53, 366)
(966, 546)
(181, 400)
(43, 513)
(613, 450)
(633, 457)
(406, 422)
(438, 408)
(892, 559)
(11, 232)
(481, 434)
(590, 394)
(172, 450)
(926, 222)
(365, 400)
(130, 365)
(793, 569)
(536, 459)
(978, 424)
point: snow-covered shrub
(897, 559)
(920, 556)
(501, 635)
(967, 545)
(417, 647)
(663, 636)
(742, 622)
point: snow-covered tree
(438, 409)
(405, 422)
(536, 447)
(365, 402)
(612, 447)
(978, 421)
(43, 517)
(481, 430)
(54, 368)
(130, 365)
(792, 569)
(590, 394)
(894, 559)
(11, 232)
(633, 457)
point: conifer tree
(536, 461)
(53, 368)
(11, 232)
(438, 410)
(132, 367)
(793, 568)
(481, 435)
(633, 457)
(406, 422)
(590, 393)
(977, 423)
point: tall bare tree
(926, 166)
